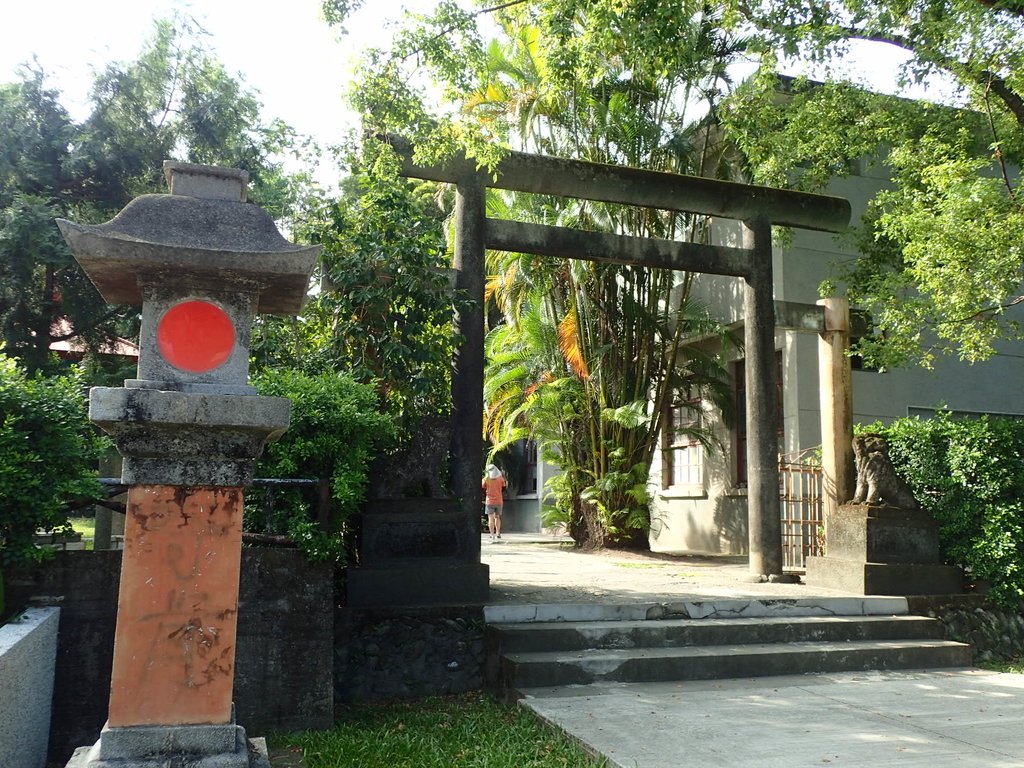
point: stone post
(468, 372)
(763, 516)
(836, 393)
(201, 262)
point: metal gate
(801, 508)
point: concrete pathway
(918, 719)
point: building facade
(700, 495)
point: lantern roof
(204, 232)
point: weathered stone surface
(179, 438)
(198, 239)
(208, 181)
(177, 607)
(995, 632)
(237, 299)
(882, 534)
(417, 584)
(197, 746)
(397, 530)
(864, 578)
(877, 481)
(880, 550)
(284, 667)
(408, 653)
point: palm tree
(589, 355)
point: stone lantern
(201, 262)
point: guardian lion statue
(877, 481)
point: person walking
(493, 485)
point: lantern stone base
(879, 550)
(187, 438)
(197, 746)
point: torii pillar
(202, 262)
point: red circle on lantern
(195, 336)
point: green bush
(48, 452)
(336, 430)
(969, 474)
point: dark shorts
(493, 509)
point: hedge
(969, 474)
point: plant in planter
(48, 451)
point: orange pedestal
(174, 645)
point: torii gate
(758, 208)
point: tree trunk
(585, 526)
(628, 538)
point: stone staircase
(539, 646)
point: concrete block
(875, 534)
(418, 584)
(136, 741)
(187, 438)
(883, 578)
(197, 746)
(28, 649)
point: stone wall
(283, 665)
(997, 634)
(408, 652)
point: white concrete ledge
(28, 653)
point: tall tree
(384, 308)
(942, 267)
(175, 101)
(579, 80)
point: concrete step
(557, 668)
(744, 607)
(577, 636)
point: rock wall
(407, 653)
(997, 634)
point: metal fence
(801, 504)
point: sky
(283, 50)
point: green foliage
(471, 730)
(940, 263)
(335, 431)
(48, 452)
(384, 311)
(969, 474)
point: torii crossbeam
(758, 208)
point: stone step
(558, 668)
(577, 636)
(696, 608)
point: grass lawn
(467, 730)
(85, 526)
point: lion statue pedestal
(881, 542)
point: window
(530, 451)
(682, 454)
(739, 443)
